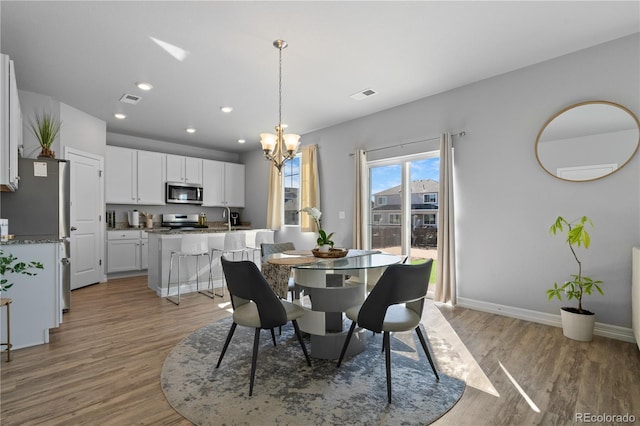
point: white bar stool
(236, 242)
(195, 245)
(261, 237)
(232, 243)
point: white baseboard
(605, 330)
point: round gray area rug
(287, 391)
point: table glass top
(355, 259)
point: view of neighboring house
(387, 215)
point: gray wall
(134, 142)
(505, 202)
(79, 130)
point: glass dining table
(329, 287)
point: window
(394, 218)
(377, 218)
(430, 198)
(429, 219)
(291, 183)
(381, 200)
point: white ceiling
(88, 54)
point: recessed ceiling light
(119, 116)
(226, 109)
(241, 141)
(143, 85)
(190, 130)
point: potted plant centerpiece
(45, 129)
(577, 323)
(324, 240)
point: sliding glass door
(403, 212)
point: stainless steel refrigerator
(39, 209)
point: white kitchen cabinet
(134, 177)
(151, 172)
(121, 175)
(223, 184)
(234, 184)
(184, 169)
(127, 250)
(212, 183)
(37, 300)
(10, 125)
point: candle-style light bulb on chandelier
(279, 147)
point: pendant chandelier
(279, 147)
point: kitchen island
(37, 300)
(163, 241)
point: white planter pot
(577, 326)
(324, 248)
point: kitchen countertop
(32, 239)
(213, 227)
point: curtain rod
(459, 134)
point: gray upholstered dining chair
(394, 304)
(256, 305)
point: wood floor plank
(102, 365)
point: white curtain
(309, 186)
(446, 266)
(274, 200)
(361, 205)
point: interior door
(86, 221)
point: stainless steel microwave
(183, 193)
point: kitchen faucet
(227, 214)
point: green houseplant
(10, 263)
(577, 323)
(324, 240)
(45, 129)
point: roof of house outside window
(417, 187)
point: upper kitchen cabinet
(134, 177)
(223, 184)
(234, 184)
(10, 125)
(151, 172)
(184, 169)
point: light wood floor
(103, 364)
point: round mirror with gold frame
(588, 141)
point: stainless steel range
(181, 221)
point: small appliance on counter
(134, 218)
(235, 219)
(182, 221)
(111, 218)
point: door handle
(73, 228)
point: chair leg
(346, 342)
(299, 335)
(387, 358)
(273, 337)
(427, 352)
(209, 291)
(254, 359)
(226, 343)
(169, 281)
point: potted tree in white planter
(577, 323)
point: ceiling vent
(128, 98)
(363, 94)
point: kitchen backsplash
(214, 214)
